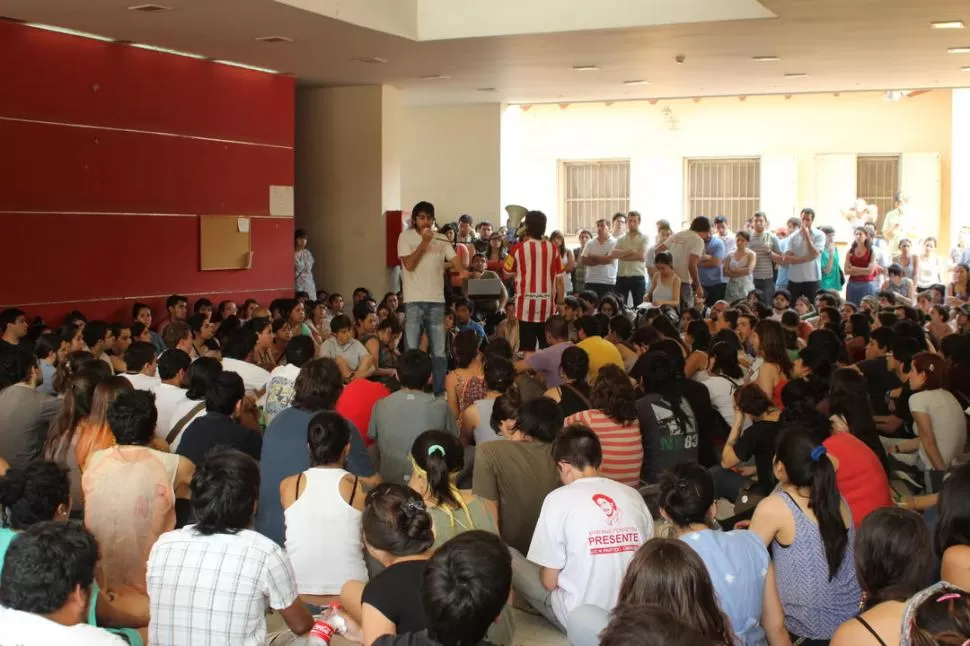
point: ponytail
(439, 458)
(808, 465)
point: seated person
(600, 351)
(142, 366)
(350, 354)
(129, 495)
(514, 476)
(586, 536)
(279, 389)
(46, 585)
(401, 417)
(42, 492)
(465, 586)
(546, 361)
(284, 451)
(463, 319)
(382, 347)
(572, 393)
(437, 458)
(170, 392)
(218, 427)
(25, 412)
(237, 356)
(178, 336)
(198, 377)
(253, 574)
(322, 507)
(398, 533)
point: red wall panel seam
(136, 131)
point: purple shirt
(547, 362)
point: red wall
(96, 217)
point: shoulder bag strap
(174, 433)
(579, 394)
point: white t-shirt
(949, 425)
(811, 271)
(182, 409)
(682, 246)
(730, 242)
(167, 399)
(589, 530)
(601, 274)
(140, 381)
(426, 284)
(636, 243)
(28, 629)
(722, 389)
(254, 377)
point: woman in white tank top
(322, 508)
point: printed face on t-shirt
(608, 505)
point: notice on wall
(281, 201)
(242, 225)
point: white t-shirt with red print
(589, 530)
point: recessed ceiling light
(636, 82)
(371, 60)
(70, 32)
(246, 67)
(275, 39)
(166, 50)
(796, 75)
(766, 59)
(149, 8)
(486, 89)
(947, 24)
(586, 68)
(435, 77)
(965, 69)
(958, 50)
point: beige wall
(452, 158)
(347, 176)
(788, 134)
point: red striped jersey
(622, 445)
(535, 264)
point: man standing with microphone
(423, 255)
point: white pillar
(960, 165)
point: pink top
(622, 445)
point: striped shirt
(763, 244)
(622, 445)
(535, 264)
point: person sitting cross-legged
(464, 588)
(218, 427)
(47, 580)
(213, 582)
(587, 534)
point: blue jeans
(428, 318)
(634, 286)
(855, 291)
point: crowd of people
(707, 437)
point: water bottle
(327, 624)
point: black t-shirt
(396, 593)
(881, 380)
(412, 639)
(758, 440)
(216, 430)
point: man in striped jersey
(538, 271)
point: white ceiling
(843, 45)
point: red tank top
(862, 262)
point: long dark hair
(867, 243)
(613, 394)
(77, 403)
(953, 528)
(893, 555)
(849, 397)
(668, 573)
(808, 465)
(701, 335)
(726, 361)
(439, 455)
(771, 345)
(657, 373)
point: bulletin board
(225, 242)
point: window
(592, 190)
(728, 187)
(877, 181)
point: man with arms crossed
(423, 258)
(631, 252)
(802, 258)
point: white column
(959, 166)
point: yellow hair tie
(452, 479)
